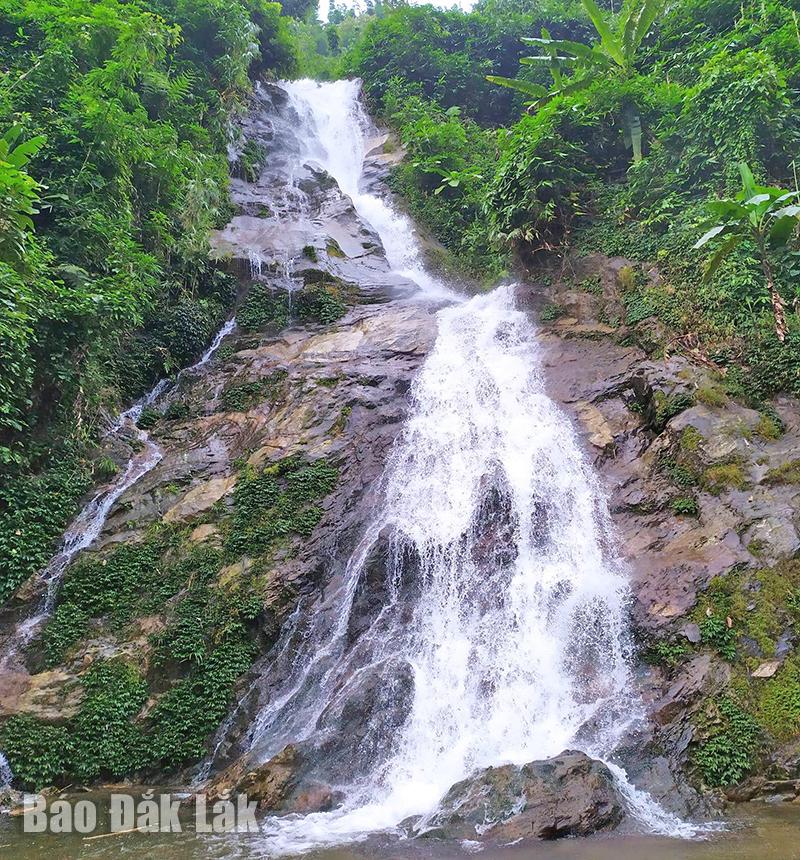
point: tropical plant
(19, 193)
(768, 217)
(614, 55)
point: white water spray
(503, 635)
(338, 143)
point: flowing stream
(89, 522)
(502, 637)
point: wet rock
(55, 695)
(569, 795)
(276, 785)
(199, 499)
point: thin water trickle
(89, 522)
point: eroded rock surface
(568, 795)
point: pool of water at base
(754, 832)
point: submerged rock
(569, 795)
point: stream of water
(89, 522)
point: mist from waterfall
(503, 634)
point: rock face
(569, 795)
(276, 786)
(332, 391)
(704, 494)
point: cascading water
(89, 522)
(337, 124)
(502, 637)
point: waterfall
(502, 637)
(336, 127)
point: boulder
(569, 795)
(277, 785)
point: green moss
(334, 249)
(732, 738)
(761, 605)
(711, 395)
(779, 704)
(724, 476)
(241, 396)
(767, 428)
(787, 473)
(629, 278)
(310, 253)
(690, 440)
(341, 421)
(665, 407)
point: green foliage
(449, 158)
(613, 55)
(666, 653)
(322, 303)
(727, 754)
(768, 217)
(275, 502)
(263, 307)
(447, 54)
(38, 753)
(19, 193)
(242, 396)
(551, 312)
(715, 631)
(786, 473)
(678, 473)
(685, 506)
(103, 739)
(210, 610)
(664, 407)
(35, 508)
(267, 308)
(118, 587)
(113, 170)
(712, 85)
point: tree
(614, 55)
(767, 218)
